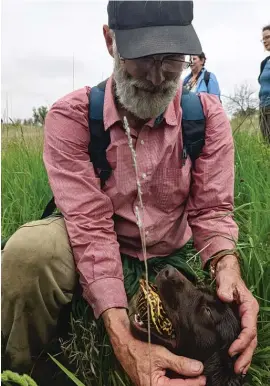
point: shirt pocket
(170, 188)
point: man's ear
(108, 39)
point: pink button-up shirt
(178, 201)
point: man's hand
(230, 287)
(134, 356)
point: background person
(200, 80)
(264, 94)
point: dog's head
(202, 327)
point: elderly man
(148, 42)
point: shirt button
(144, 176)
(142, 142)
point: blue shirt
(213, 87)
(264, 81)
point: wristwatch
(216, 258)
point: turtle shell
(159, 320)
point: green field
(25, 192)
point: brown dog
(198, 326)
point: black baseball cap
(153, 27)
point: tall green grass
(25, 192)
(252, 212)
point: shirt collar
(172, 112)
(110, 113)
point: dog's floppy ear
(236, 379)
(229, 327)
(219, 369)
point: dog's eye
(208, 312)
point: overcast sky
(40, 37)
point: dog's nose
(169, 272)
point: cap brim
(135, 43)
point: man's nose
(155, 74)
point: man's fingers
(200, 381)
(244, 372)
(232, 288)
(225, 293)
(226, 289)
(243, 341)
(243, 362)
(249, 307)
(182, 365)
(249, 314)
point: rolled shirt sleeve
(211, 201)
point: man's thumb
(184, 366)
(225, 293)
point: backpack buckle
(184, 156)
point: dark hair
(266, 28)
(202, 57)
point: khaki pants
(38, 279)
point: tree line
(38, 118)
(241, 104)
